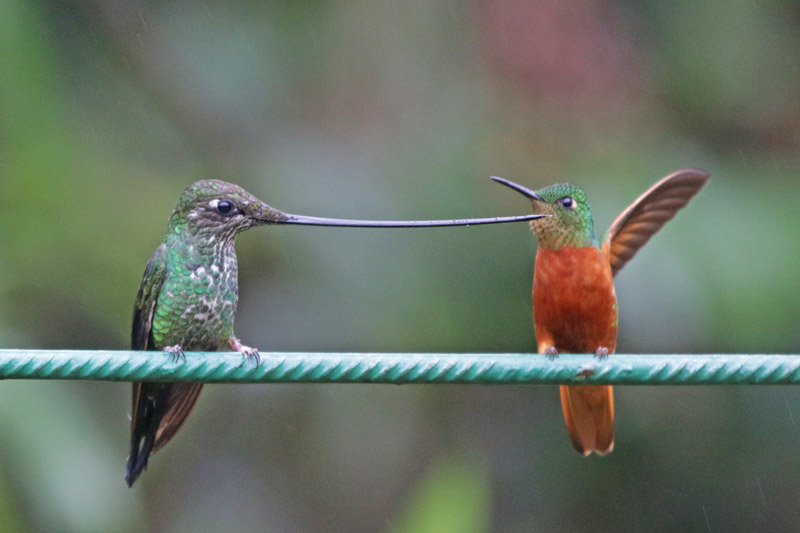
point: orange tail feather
(589, 413)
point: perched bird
(574, 303)
(187, 298)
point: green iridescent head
(218, 208)
(570, 222)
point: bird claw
(246, 351)
(177, 353)
(601, 353)
(551, 352)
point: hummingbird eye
(567, 202)
(223, 207)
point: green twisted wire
(398, 368)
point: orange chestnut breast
(574, 303)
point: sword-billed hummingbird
(574, 302)
(187, 299)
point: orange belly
(575, 310)
(574, 303)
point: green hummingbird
(188, 295)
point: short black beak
(519, 188)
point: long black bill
(519, 188)
(316, 221)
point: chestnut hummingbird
(188, 295)
(574, 302)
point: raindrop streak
(761, 491)
(708, 525)
(141, 17)
(575, 14)
(791, 416)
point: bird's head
(220, 209)
(570, 222)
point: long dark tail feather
(159, 410)
(137, 461)
(150, 408)
(182, 397)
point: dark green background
(400, 110)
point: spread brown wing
(648, 213)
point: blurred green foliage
(399, 110)
(452, 498)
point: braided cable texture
(398, 368)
